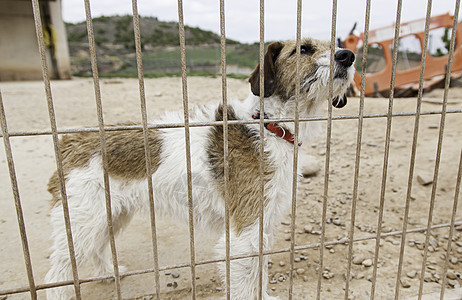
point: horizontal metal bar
(220, 123)
(211, 261)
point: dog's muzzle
(344, 58)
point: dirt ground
(25, 105)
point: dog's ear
(269, 71)
(339, 102)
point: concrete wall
(62, 48)
(19, 55)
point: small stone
(285, 223)
(360, 276)
(425, 179)
(175, 274)
(411, 274)
(218, 289)
(300, 271)
(367, 263)
(358, 258)
(287, 237)
(428, 277)
(273, 280)
(282, 264)
(451, 275)
(305, 278)
(405, 283)
(144, 298)
(454, 260)
(308, 228)
(452, 283)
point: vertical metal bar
(295, 161)
(224, 90)
(17, 201)
(328, 145)
(358, 147)
(187, 146)
(413, 149)
(54, 134)
(99, 108)
(451, 228)
(387, 147)
(439, 147)
(144, 115)
(262, 147)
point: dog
(126, 166)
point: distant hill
(115, 43)
(119, 30)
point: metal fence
(390, 115)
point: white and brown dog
(127, 170)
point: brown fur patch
(269, 70)
(244, 169)
(125, 154)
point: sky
(242, 16)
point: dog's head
(280, 71)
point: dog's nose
(345, 57)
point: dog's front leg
(244, 272)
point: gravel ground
(25, 105)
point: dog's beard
(316, 84)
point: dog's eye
(304, 49)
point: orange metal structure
(435, 67)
